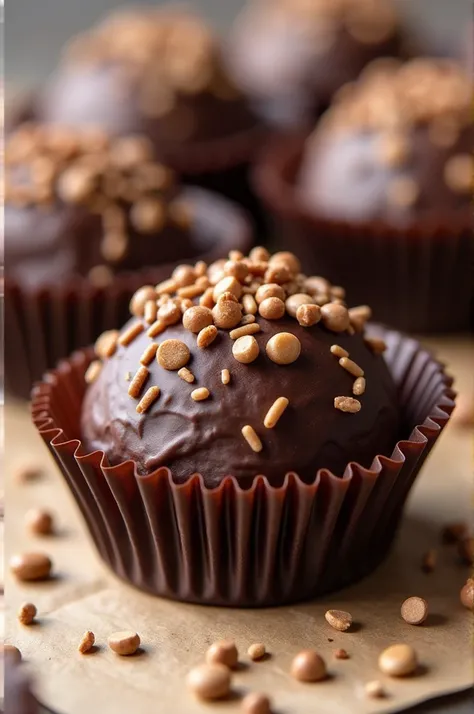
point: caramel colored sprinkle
(150, 396)
(247, 320)
(39, 521)
(225, 376)
(106, 344)
(141, 298)
(358, 387)
(250, 329)
(341, 654)
(229, 284)
(196, 318)
(339, 619)
(227, 314)
(151, 309)
(259, 254)
(414, 610)
(206, 336)
(167, 286)
(256, 651)
(87, 642)
(308, 315)
(185, 304)
(124, 643)
(93, 371)
(223, 652)
(351, 367)
(347, 404)
(130, 334)
(245, 349)
(275, 412)
(398, 660)
(184, 275)
(200, 394)
(186, 375)
(149, 354)
(308, 666)
(269, 290)
(277, 273)
(173, 354)
(283, 348)
(335, 317)
(209, 682)
(236, 269)
(169, 313)
(27, 613)
(272, 308)
(156, 329)
(375, 344)
(250, 306)
(136, 385)
(207, 300)
(339, 351)
(294, 301)
(374, 689)
(191, 291)
(252, 438)
(236, 255)
(200, 268)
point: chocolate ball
(290, 56)
(395, 146)
(225, 433)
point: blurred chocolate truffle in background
(395, 146)
(290, 56)
(18, 697)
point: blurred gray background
(36, 29)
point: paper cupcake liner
(46, 324)
(419, 279)
(257, 547)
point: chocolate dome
(78, 203)
(395, 146)
(191, 394)
(290, 56)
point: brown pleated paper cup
(418, 279)
(257, 547)
(46, 324)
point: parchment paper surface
(84, 595)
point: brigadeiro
(159, 71)
(291, 56)
(254, 446)
(88, 219)
(379, 196)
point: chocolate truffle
(396, 146)
(79, 203)
(290, 56)
(263, 394)
(152, 71)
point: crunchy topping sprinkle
(283, 348)
(225, 376)
(186, 375)
(250, 329)
(227, 314)
(93, 371)
(150, 312)
(156, 329)
(272, 308)
(347, 404)
(252, 438)
(245, 349)
(335, 317)
(358, 387)
(351, 367)
(136, 385)
(173, 354)
(206, 336)
(249, 304)
(191, 291)
(149, 354)
(200, 394)
(275, 412)
(308, 315)
(150, 396)
(130, 334)
(247, 320)
(375, 344)
(197, 318)
(339, 351)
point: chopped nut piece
(428, 562)
(398, 661)
(236, 269)
(283, 348)
(124, 643)
(358, 387)
(31, 566)
(250, 329)
(272, 308)
(308, 666)
(223, 652)
(93, 371)
(27, 613)
(308, 315)
(245, 349)
(150, 396)
(196, 318)
(335, 317)
(256, 651)
(186, 375)
(339, 619)
(269, 290)
(351, 367)
(252, 438)
(467, 594)
(87, 642)
(249, 304)
(106, 344)
(375, 689)
(341, 654)
(173, 354)
(149, 354)
(295, 301)
(206, 336)
(347, 404)
(136, 385)
(200, 394)
(130, 334)
(256, 703)
(225, 376)
(209, 681)
(339, 351)
(376, 345)
(414, 610)
(227, 314)
(275, 412)
(39, 521)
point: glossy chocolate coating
(342, 177)
(206, 437)
(18, 696)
